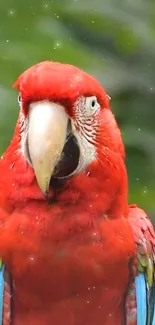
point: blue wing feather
(1, 292)
(153, 322)
(141, 299)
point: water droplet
(57, 45)
(7, 41)
(87, 301)
(11, 12)
(138, 129)
(145, 191)
(93, 22)
(137, 179)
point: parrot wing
(140, 301)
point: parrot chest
(73, 291)
(75, 273)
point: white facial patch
(84, 129)
(23, 129)
(87, 150)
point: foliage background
(112, 39)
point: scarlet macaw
(74, 252)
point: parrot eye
(19, 99)
(92, 104)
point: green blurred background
(114, 40)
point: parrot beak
(47, 132)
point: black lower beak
(69, 159)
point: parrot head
(66, 142)
(66, 122)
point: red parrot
(73, 251)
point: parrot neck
(101, 189)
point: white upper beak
(47, 131)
